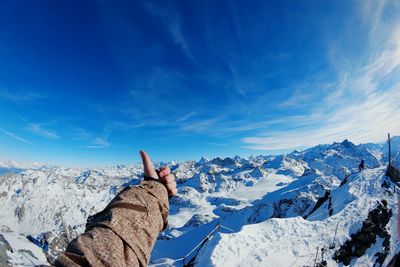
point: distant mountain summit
(7, 166)
(202, 161)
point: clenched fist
(163, 174)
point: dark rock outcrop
(360, 242)
(393, 173)
(321, 201)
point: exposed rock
(20, 212)
(4, 246)
(360, 242)
(199, 219)
(260, 213)
(393, 173)
(223, 200)
(28, 252)
(319, 203)
(3, 255)
(281, 207)
(257, 173)
(57, 244)
(223, 162)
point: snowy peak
(202, 161)
(287, 164)
(257, 173)
(226, 162)
(348, 145)
(9, 166)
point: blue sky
(91, 83)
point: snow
(275, 242)
(270, 183)
(263, 200)
(293, 241)
(20, 255)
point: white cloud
(80, 134)
(38, 129)
(359, 122)
(15, 136)
(172, 21)
(186, 117)
(100, 142)
(364, 104)
(205, 125)
(20, 97)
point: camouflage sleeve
(124, 233)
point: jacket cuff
(158, 190)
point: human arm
(124, 233)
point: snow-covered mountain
(261, 211)
(7, 166)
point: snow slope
(293, 241)
(277, 209)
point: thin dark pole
(316, 256)
(390, 159)
(334, 237)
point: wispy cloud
(101, 141)
(152, 100)
(223, 125)
(364, 103)
(361, 122)
(203, 125)
(38, 129)
(172, 21)
(21, 97)
(98, 142)
(14, 136)
(186, 117)
(79, 134)
(93, 141)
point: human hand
(163, 174)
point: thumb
(148, 165)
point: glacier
(297, 209)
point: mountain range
(299, 209)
